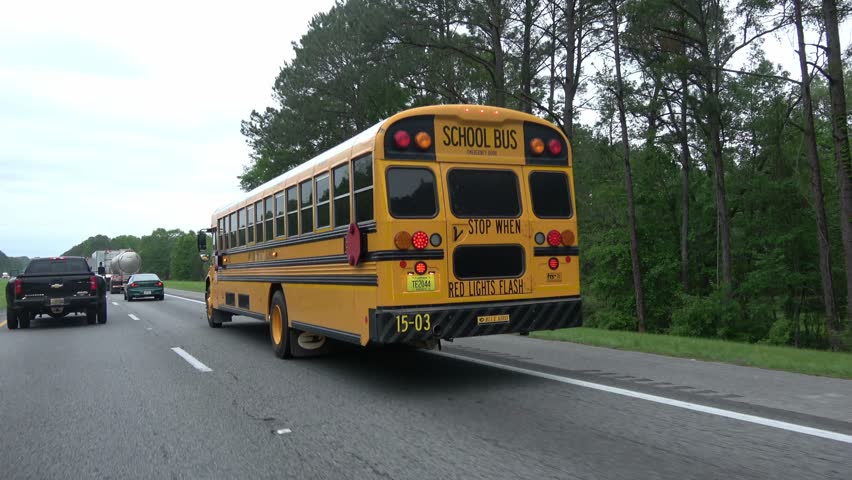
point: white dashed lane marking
(134, 317)
(191, 360)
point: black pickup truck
(55, 286)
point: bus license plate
(489, 319)
(421, 283)
(57, 301)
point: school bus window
(279, 214)
(241, 233)
(258, 211)
(221, 234)
(267, 227)
(233, 230)
(307, 206)
(341, 195)
(483, 193)
(362, 173)
(292, 211)
(550, 195)
(250, 217)
(412, 193)
(323, 204)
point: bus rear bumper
(429, 322)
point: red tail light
(555, 146)
(554, 238)
(402, 139)
(19, 287)
(553, 263)
(420, 268)
(93, 283)
(420, 240)
(159, 284)
(134, 284)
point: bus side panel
(343, 308)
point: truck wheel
(11, 319)
(102, 313)
(279, 328)
(91, 315)
(24, 319)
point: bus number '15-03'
(420, 323)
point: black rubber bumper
(418, 323)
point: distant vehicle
(56, 286)
(5, 274)
(122, 266)
(143, 285)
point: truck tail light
(93, 283)
(19, 287)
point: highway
(156, 393)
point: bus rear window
(411, 193)
(483, 193)
(550, 195)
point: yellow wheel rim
(277, 325)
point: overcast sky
(118, 119)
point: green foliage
(781, 333)
(12, 265)
(184, 263)
(171, 254)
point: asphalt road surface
(156, 393)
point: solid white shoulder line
(668, 401)
(191, 360)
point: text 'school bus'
(438, 223)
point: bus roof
(364, 136)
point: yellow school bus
(440, 222)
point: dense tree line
(12, 265)
(171, 254)
(714, 194)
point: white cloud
(118, 118)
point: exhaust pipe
(437, 330)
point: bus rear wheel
(279, 328)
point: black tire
(102, 313)
(129, 298)
(91, 315)
(161, 297)
(279, 328)
(11, 319)
(24, 319)
(125, 296)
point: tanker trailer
(122, 267)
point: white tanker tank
(122, 267)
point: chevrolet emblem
(56, 285)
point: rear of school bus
(477, 204)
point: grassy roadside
(185, 285)
(3, 293)
(812, 362)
